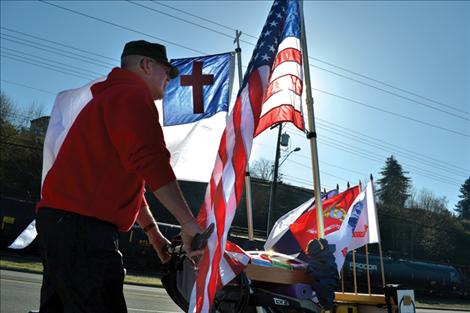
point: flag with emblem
(343, 236)
(278, 47)
(367, 228)
(335, 209)
(280, 238)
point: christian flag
(193, 113)
(276, 55)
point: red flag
(334, 212)
(277, 50)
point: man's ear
(144, 65)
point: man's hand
(158, 242)
(188, 231)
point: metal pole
(367, 269)
(272, 194)
(248, 196)
(312, 134)
(380, 240)
(342, 280)
(354, 270)
(367, 254)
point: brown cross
(197, 81)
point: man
(94, 185)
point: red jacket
(113, 147)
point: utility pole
(272, 194)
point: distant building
(39, 125)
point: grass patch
(461, 304)
(36, 267)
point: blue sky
(407, 58)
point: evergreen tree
(394, 186)
(463, 206)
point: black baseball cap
(152, 50)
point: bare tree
(6, 108)
(428, 201)
(262, 169)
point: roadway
(19, 293)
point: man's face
(158, 77)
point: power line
(46, 67)
(202, 18)
(322, 173)
(376, 158)
(9, 54)
(328, 63)
(363, 152)
(53, 50)
(26, 86)
(104, 21)
(392, 113)
(59, 44)
(53, 61)
(185, 21)
(388, 150)
(394, 94)
(379, 158)
(123, 27)
(389, 85)
(330, 124)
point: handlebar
(198, 243)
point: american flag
(270, 93)
(278, 52)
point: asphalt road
(19, 293)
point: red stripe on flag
(200, 283)
(239, 166)
(256, 95)
(286, 55)
(236, 265)
(239, 155)
(282, 113)
(219, 203)
(284, 82)
(222, 147)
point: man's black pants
(83, 270)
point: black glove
(322, 268)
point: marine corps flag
(335, 210)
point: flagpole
(312, 134)
(378, 233)
(354, 270)
(248, 196)
(342, 268)
(367, 254)
(368, 273)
